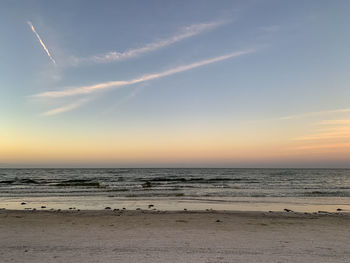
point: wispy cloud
(41, 42)
(335, 146)
(184, 33)
(334, 122)
(123, 101)
(334, 133)
(144, 78)
(66, 108)
(314, 114)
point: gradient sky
(174, 83)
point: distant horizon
(172, 167)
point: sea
(301, 190)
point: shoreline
(262, 204)
(110, 212)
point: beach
(174, 131)
(173, 236)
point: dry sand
(139, 236)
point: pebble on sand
(288, 210)
(107, 208)
(23, 203)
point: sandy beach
(186, 236)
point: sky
(175, 83)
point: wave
(327, 194)
(20, 181)
(79, 182)
(190, 182)
(182, 179)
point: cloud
(144, 78)
(321, 135)
(334, 133)
(66, 108)
(335, 146)
(333, 122)
(123, 101)
(184, 33)
(41, 42)
(314, 114)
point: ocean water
(212, 187)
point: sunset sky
(175, 83)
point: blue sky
(234, 68)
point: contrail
(184, 33)
(68, 107)
(41, 42)
(144, 78)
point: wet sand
(152, 236)
(298, 204)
